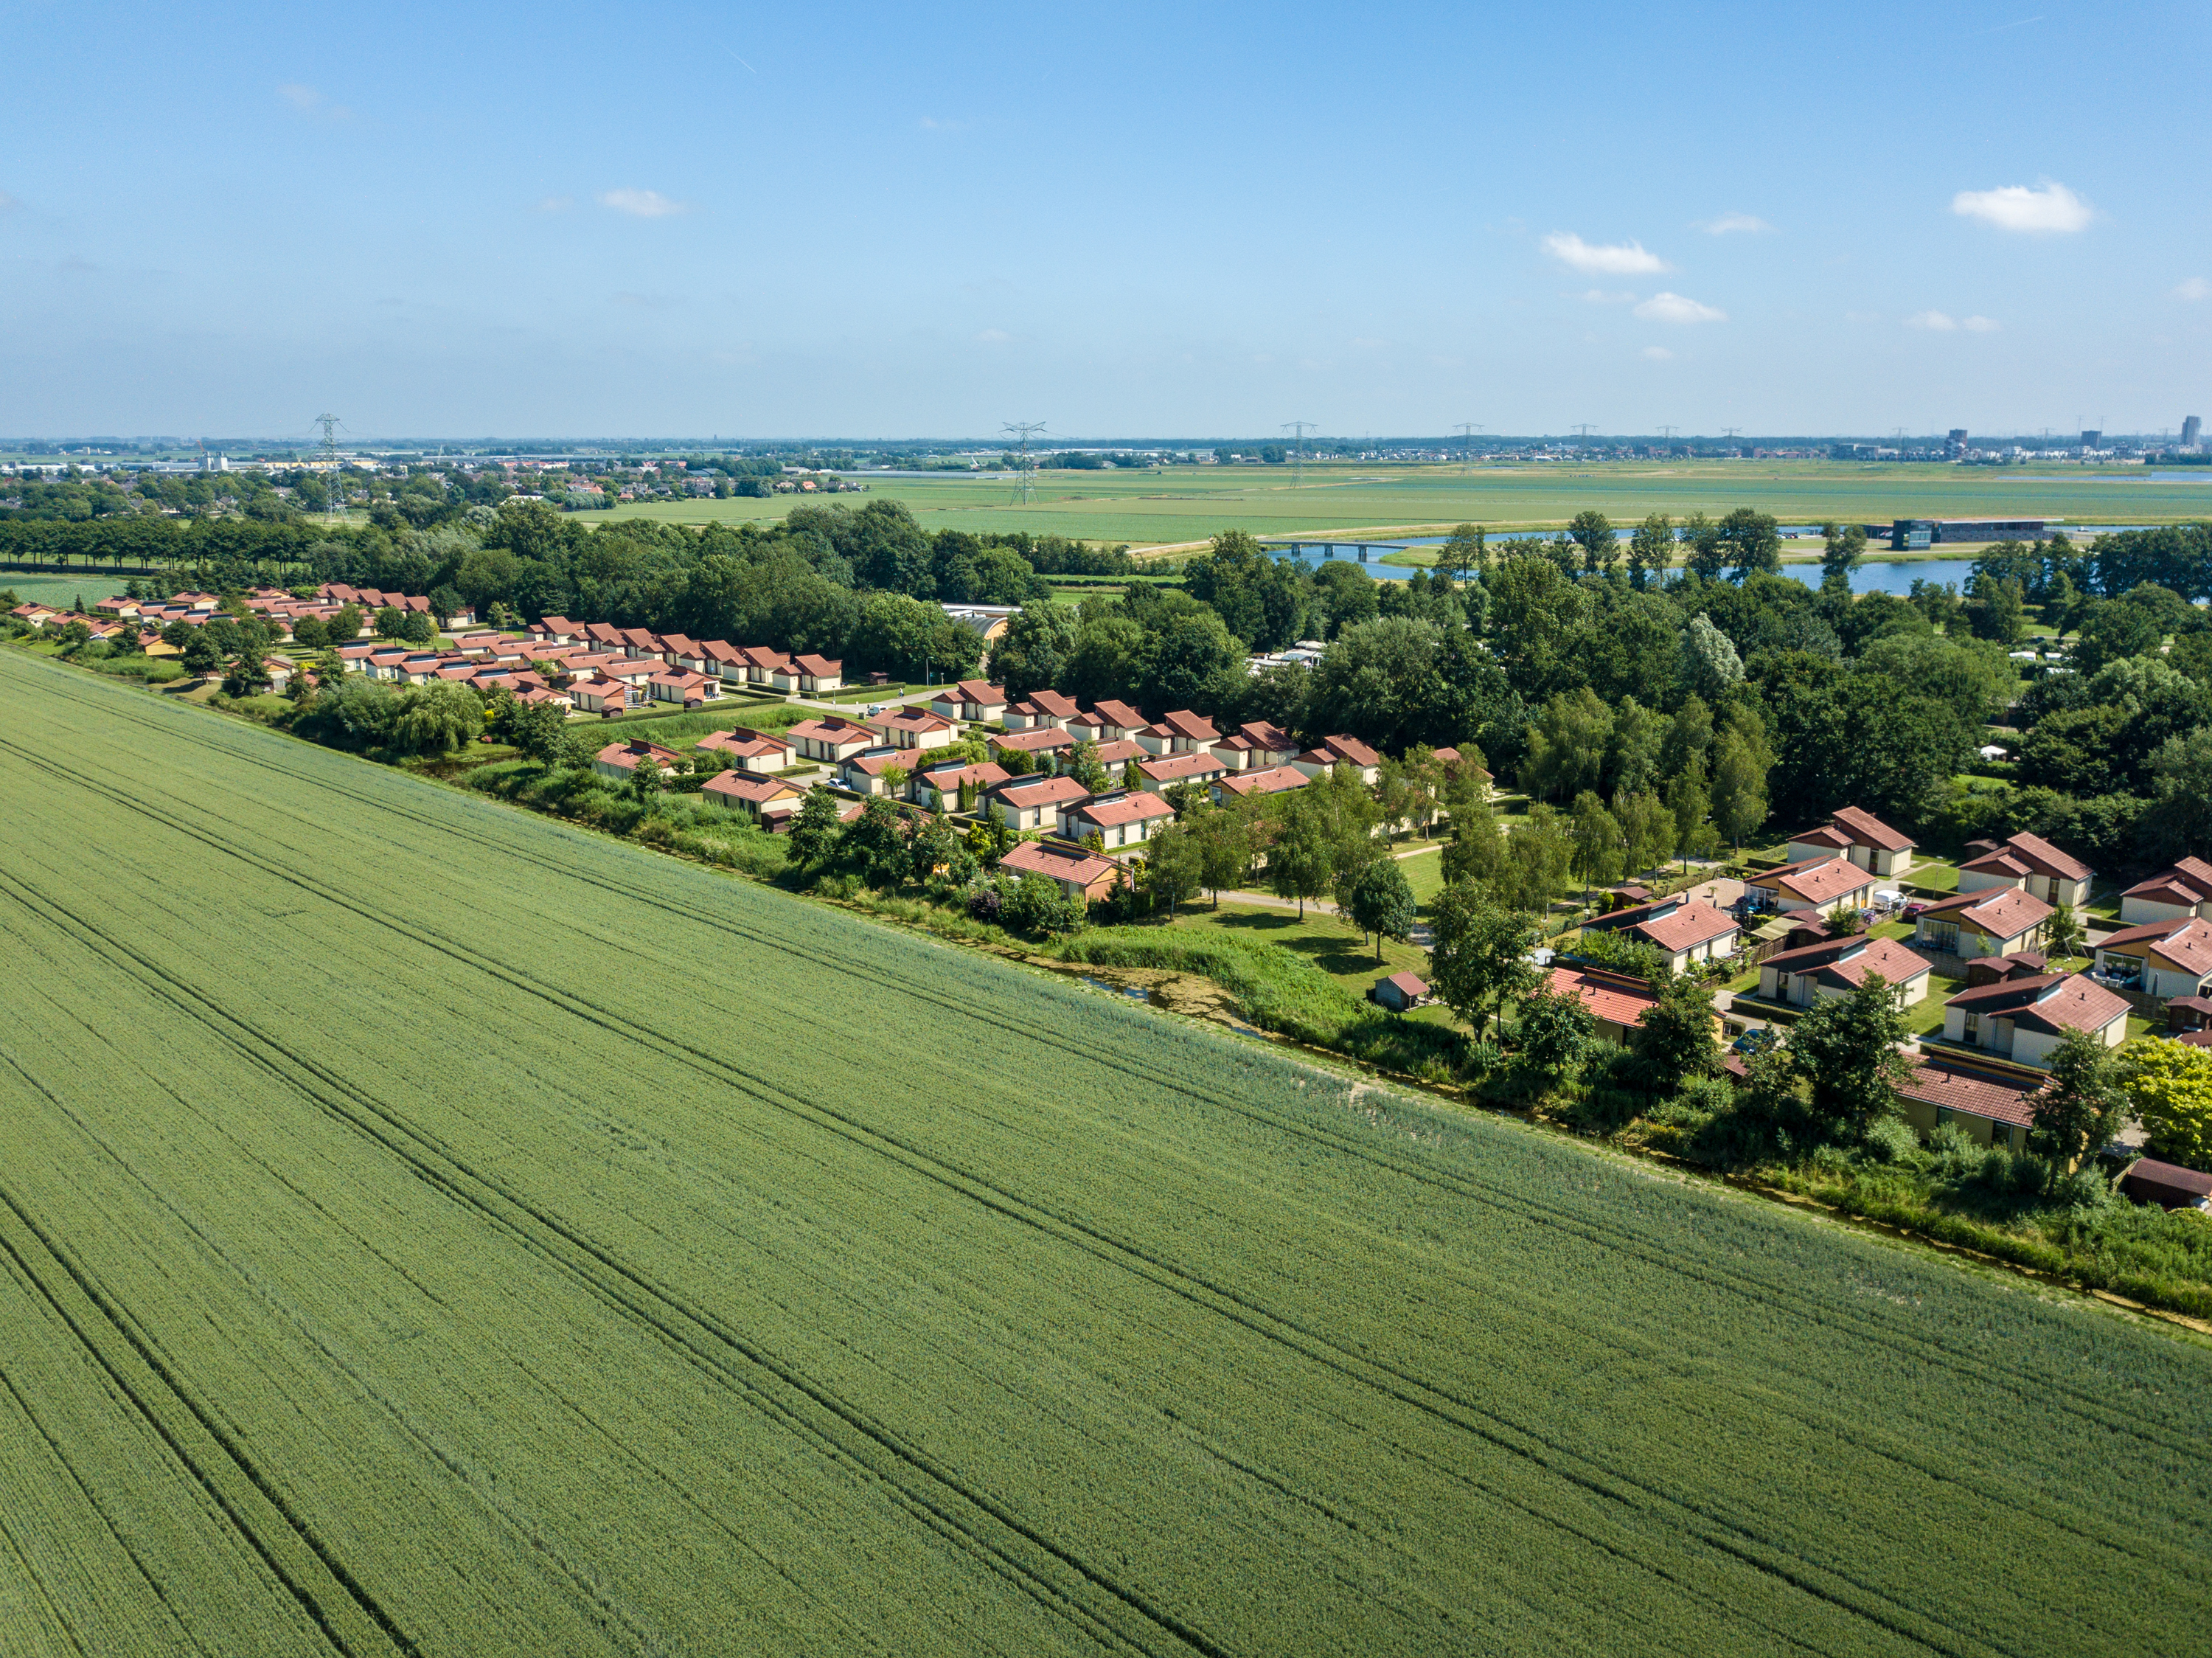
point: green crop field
(426, 1229)
(92, 586)
(1185, 503)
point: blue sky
(1138, 220)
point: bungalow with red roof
(1990, 922)
(2163, 959)
(1683, 929)
(692, 690)
(1041, 710)
(1859, 836)
(1332, 752)
(1618, 1002)
(808, 675)
(604, 635)
(762, 664)
(1107, 721)
(768, 802)
(1256, 745)
(1251, 785)
(1038, 742)
(1071, 868)
(601, 697)
(1834, 967)
(1162, 772)
(2181, 889)
(1815, 883)
(2025, 1019)
(1124, 820)
(1034, 803)
(640, 641)
(1400, 992)
(831, 738)
(912, 727)
(866, 772)
(1117, 753)
(948, 780)
(977, 701)
(619, 760)
(1987, 1106)
(749, 751)
(556, 630)
(2030, 863)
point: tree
(1477, 848)
(1224, 850)
(2081, 1108)
(1299, 863)
(645, 779)
(1462, 553)
(1846, 1049)
(1556, 1031)
(1597, 842)
(1592, 531)
(1841, 551)
(1692, 803)
(1567, 745)
(246, 676)
(390, 622)
(2169, 1084)
(2179, 821)
(1706, 553)
(1711, 665)
(1674, 1042)
(1478, 953)
(201, 657)
(1175, 865)
(1647, 830)
(1738, 786)
(1750, 541)
(1383, 904)
(1082, 765)
(815, 828)
(1539, 859)
(418, 629)
(2063, 935)
(1651, 548)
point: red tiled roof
(2053, 1002)
(1120, 714)
(1270, 780)
(1031, 742)
(2046, 859)
(2185, 942)
(1039, 858)
(1686, 928)
(2191, 879)
(1957, 1088)
(1610, 999)
(1817, 880)
(1409, 985)
(1169, 768)
(1120, 808)
(1868, 829)
(1348, 748)
(2004, 912)
(1196, 728)
(1050, 792)
(740, 785)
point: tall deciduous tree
(1478, 953)
(1651, 548)
(1847, 1050)
(1383, 904)
(2082, 1108)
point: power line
(1466, 430)
(1298, 429)
(1023, 430)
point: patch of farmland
(388, 1263)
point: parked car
(1912, 911)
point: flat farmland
(426, 1229)
(1187, 504)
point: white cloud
(936, 123)
(1600, 297)
(1932, 319)
(554, 204)
(1729, 224)
(1658, 354)
(641, 204)
(993, 337)
(2195, 288)
(1674, 308)
(1981, 324)
(2051, 206)
(308, 101)
(1625, 258)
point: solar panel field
(428, 1229)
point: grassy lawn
(1425, 874)
(1329, 944)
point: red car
(1912, 911)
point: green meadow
(1176, 504)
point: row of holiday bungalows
(807, 674)
(600, 682)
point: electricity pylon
(1466, 430)
(1298, 429)
(1023, 430)
(330, 423)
